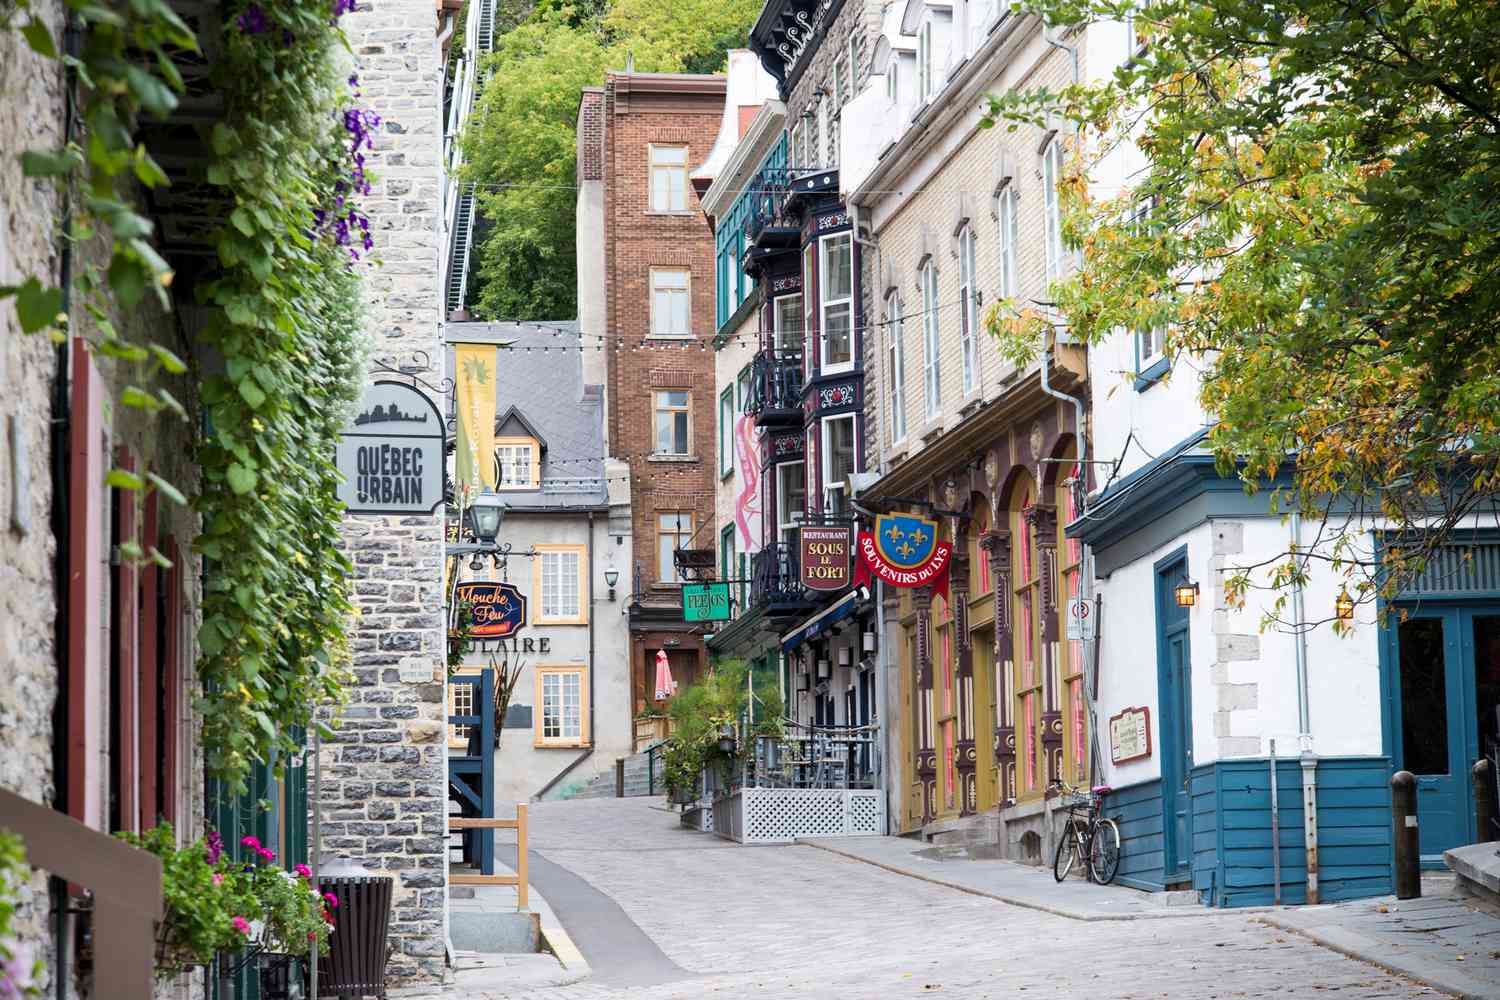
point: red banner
(933, 572)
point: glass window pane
(839, 344)
(838, 268)
(1424, 696)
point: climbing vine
(286, 158)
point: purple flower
(215, 844)
(342, 7)
(253, 20)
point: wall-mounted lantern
(611, 577)
(1186, 594)
(1344, 607)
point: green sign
(705, 602)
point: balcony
(776, 582)
(769, 227)
(776, 389)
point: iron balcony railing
(775, 579)
(811, 756)
(768, 211)
(776, 386)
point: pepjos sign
(391, 453)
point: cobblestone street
(797, 922)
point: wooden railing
(651, 730)
(483, 823)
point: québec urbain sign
(391, 453)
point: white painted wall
(1159, 416)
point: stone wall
(384, 774)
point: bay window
(836, 292)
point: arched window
(979, 560)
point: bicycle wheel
(1104, 851)
(1067, 853)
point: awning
(825, 619)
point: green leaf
(139, 399)
(167, 489)
(35, 163)
(241, 220)
(169, 361)
(241, 480)
(128, 279)
(36, 307)
(148, 171)
(154, 95)
(170, 402)
(154, 554)
(222, 139)
(251, 393)
(39, 38)
(122, 479)
(217, 175)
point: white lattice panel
(866, 813)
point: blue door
(1447, 684)
(1175, 690)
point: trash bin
(357, 948)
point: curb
(1362, 949)
(557, 941)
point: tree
(1316, 226)
(520, 144)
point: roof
(539, 383)
(749, 86)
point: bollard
(1483, 775)
(1404, 824)
(619, 777)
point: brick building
(651, 301)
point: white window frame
(1005, 216)
(827, 305)
(830, 487)
(788, 519)
(664, 295)
(778, 323)
(809, 303)
(924, 62)
(891, 85)
(726, 432)
(968, 310)
(896, 364)
(661, 405)
(675, 197)
(666, 570)
(510, 446)
(577, 674)
(932, 375)
(794, 145)
(1150, 344)
(1052, 170)
(731, 278)
(823, 103)
(573, 608)
(459, 733)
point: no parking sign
(1080, 619)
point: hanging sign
(825, 557)
(1130, 735)
(705, 602)
(904, 551)
(499, 608)
(391, 453)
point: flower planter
(282, 977)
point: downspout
(588, 751)
(1308, 759)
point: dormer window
(517, 464)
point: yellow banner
(475, 377)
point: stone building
(639, 136)
(570, 715)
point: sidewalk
(1030, 886)
(1441, 939)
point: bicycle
(1091, 839)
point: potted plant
(293, 918)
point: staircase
(458, 255)
(637, 778)
(458, 200)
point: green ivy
(284, 318)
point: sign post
(705, 602)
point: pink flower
(218, 878)
(267, 855)
(250, 842)
(331, 900)
(303, 870)
(242, 925)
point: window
(968, 308)
(670, 313)
(809, 299)
(896, 365)
(791, 499)
(743, 382)
(461, 702)
(822, 161)
(516, 465)
(562, 696)
(788, 325)
(726, 432)
(727, 563)
(836, 287)
(1135, 35)
(838, 461)
(672, 413)
(732, 277)
(559, 578)
(931, 373)
(856, 47)
(672, 533)
(669, 178)
(924, 62)
(1006, 213)
(1150, 344)
(890, 78)
(1052, 168)
(794, 144)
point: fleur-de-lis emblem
(895, 533)
(919, 536)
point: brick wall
(384, 794)
(640, 110)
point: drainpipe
(1308, 759)
(588, 751)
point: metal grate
(1458, 569)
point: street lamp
(611, 577)
(484, 516)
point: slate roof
(540, 377)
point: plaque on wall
(1130, 735)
